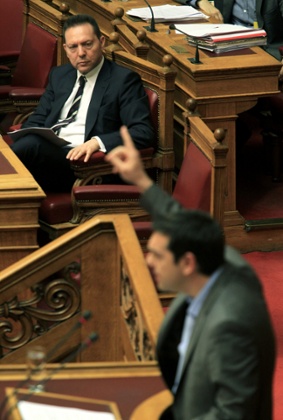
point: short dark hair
(78, 20)
(193, 231)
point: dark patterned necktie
(72, 113)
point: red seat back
(193, 185)
(11, 27)
(37, 57)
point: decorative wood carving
(52, 301)
(139, 337)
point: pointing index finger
(127, 140)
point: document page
(35, 411)
(210, 29)
(168, 13)
(44, 132)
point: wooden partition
(20, 198)
(134, 387)
(98, 266)
(213, 147)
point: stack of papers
(168, 13)
(223, 37)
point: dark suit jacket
(230, 359)
(118, 98)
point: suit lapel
(65, 89)
(227, 9)
(101, 84)
(210, 301)
(258, 6)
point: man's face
(168, 274)
(83, 48)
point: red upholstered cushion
(4, 69)
(56, 208)
(192, 188)
(25, 93)
(105, 192)
(99, 157)
(96, 157)
(7, 139)
(143, 229)
(5, 91)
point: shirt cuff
(102, 148)
(193, 3)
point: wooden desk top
(235, 73)
(15, 180)
(127, 384)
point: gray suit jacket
(230, 359)
(118, 98)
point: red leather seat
(57, 208)
(30, 76)
(11, 31)
(192, 189)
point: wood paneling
(20, 198)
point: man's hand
(87, 149)
(208, 9)
(127, 163)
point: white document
(209, 29)
(35, 411)
(168, 13)
(44, 132)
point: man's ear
(65, 48)
(189, 263)
(102, 41)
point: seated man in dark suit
(216, 347)
(85, 102)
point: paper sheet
(35, 411)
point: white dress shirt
(75, 131)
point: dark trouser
(46, 162)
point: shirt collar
(196, 303)
(92, 73)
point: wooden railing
(98, 266)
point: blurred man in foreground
(216, 346)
